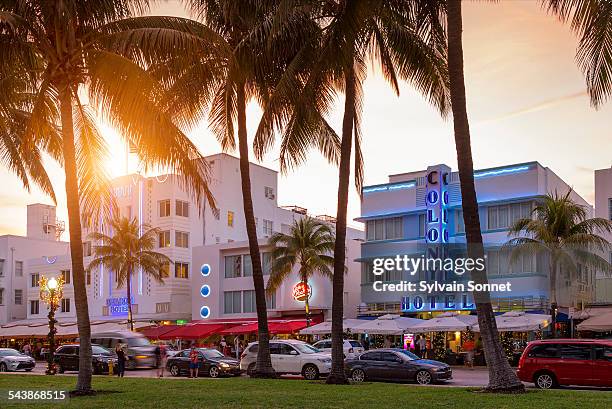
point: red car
(553, 362)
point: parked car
(394, 364)
(212, 363)
(13, 360)
(140, 352)
(66, 358)
(553, 362)
(352, 348)
(290, 356)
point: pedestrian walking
(194, 362)
(120, 360)
(417, 346)
(27, 349)
(423, 346)
(468, 347)
(237, 347)
(160, 359)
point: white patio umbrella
(519, 321)
(448, 321)
(348, 324)
(388, 325)
(598, 323)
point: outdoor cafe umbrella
(598, 323)
(387, 325)
(348, 324)
(519, 321)
(448, 321)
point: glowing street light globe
(52, 283)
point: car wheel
(423, 378)
(251, 369)
(358, 375)
(3, 367)
(213, 372)
(174, 370)
(310, 372)
(545, 380)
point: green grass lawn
(138, 393)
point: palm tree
(309, 244)
(243, 65)
(66, 49)
(129, 249)
(590, 20)
(561, 231)
(501, 376)
(400, 37)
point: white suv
(352, 349)
(289, 356)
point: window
(181, 270)
(386, 229)
(266, 263)
(162, 307)
(390, 357)
(248, 265)
(104, 311)
(230, 218)
(34, 280)
(271, 301)
(165, 270)
(269, 192)
(1, 296)
(422, 223)
(87, 249)
(603, 353)
(1, 267)
(576, 351)
(181, 239)
(268, 227)
(503, 216)
(164, 238)
(164, 208)
(544, 351)
(34, 307)
(66, 276)
(18, 297)
(65, 305)
(87, 277)
(371, 356)
(18, 268)
(248, 301)
(233, 266)
(460, 224)
(128, 212)
(182, 208)
(232, 302)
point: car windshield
(98, 350)
(408, 354)
(355, 344)
(138, 342)
(211, 353)
(305, 348)
(10, 352)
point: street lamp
(51, 293)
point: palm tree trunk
(129, 299)
(76, 243)
(306, 302)
(553, 296)
(501, 376)
(337, 375)
(263, 366)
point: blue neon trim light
(390, 187)
(205, 269)
(498, 172)
(204, 312)
(205, 290)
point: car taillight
(521, 361)
(351, 350)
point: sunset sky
(526, 101)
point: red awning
(275, 327)
(193, 331)
(156, 332)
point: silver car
(13, 360)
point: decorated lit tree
(438, 344)
(507, 344)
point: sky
(526, 98)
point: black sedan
(211, 363)
(66, 358)
(399, 365)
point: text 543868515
(34, 395)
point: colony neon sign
(436, 202)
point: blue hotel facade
(423, 208)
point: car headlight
(141, 357)
(223, 365)
(324, 360)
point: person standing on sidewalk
(120, 360)
(468, 347)
(160, 359)
(194, 364)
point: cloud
(537, 107)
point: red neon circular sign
(301, 290)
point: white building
(43, 233)
(161, 202)
(603, 209)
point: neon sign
(436, 202)
(388, 187)
(437, 303)
(118, 305)
(301, 291)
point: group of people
(225, 348)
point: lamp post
(51, 292)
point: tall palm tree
(403, 39)
(591, 21)
(243, 65)
(501, 376)
(309, 244)
(561, 231)
(127, 250)
(70, 48)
